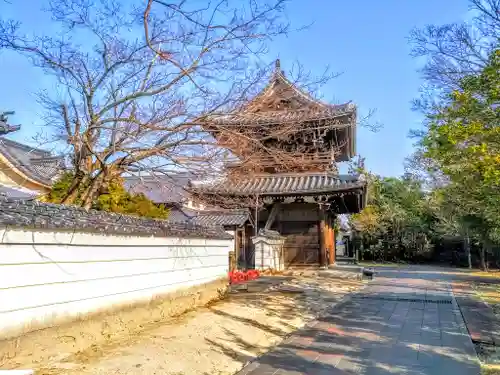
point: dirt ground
(213, 340)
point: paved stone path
(482, 323)
(404, 322)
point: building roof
(36, 164)
(282, 101)
(222, 218)
(285, 184)
(173, 189)
(22, 213)
(168, 189)
(4, 127)
(179, 214)
(283, 95)
(16, 192)
(273, 117)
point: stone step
(344, 259)
(346, 267)
(303, 266)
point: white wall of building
(45, 275)
(268, 253)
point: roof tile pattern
(47, 166)
(33, 214)
(281, 184)
(15, 192)
(273, 117)
(160, 189)
(222, 218)
(38, 165)
(283, 102)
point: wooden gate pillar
(322, 230)
(332, 240)
(232, 261)
(328, 242)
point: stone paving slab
(482, 323)
(382, 335)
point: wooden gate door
(301, 246)
(240, 248)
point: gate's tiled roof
(284, 102)
(273, 117)
(292, 184)
(222, 218)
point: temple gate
(292, 185)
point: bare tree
(8, 27)
(452, 51)
(133, 84)
(147, 89)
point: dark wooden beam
(272, 216)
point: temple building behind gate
(25, 171)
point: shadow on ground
(404, 322)
(304, 297)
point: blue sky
(365, 40)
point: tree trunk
(467, 249)
(357, 251)
(487, 252)
(385, 245)
(482, 255)
(78, 181)
(88, 196)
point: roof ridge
(303, 93)
(300, 174)
(47, 158)
(277, 75)
(31, 213)
(23, 145)
(222, 211)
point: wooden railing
(319, 161)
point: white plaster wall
(233, 241)
(4, 178)
(268, 253)
(46, 275)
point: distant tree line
(448, 204)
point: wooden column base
(332, 239)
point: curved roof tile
(280, 184)
(38, 165)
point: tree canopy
(453, 188)
(113, 198)
(134, 81)
(396, 223)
